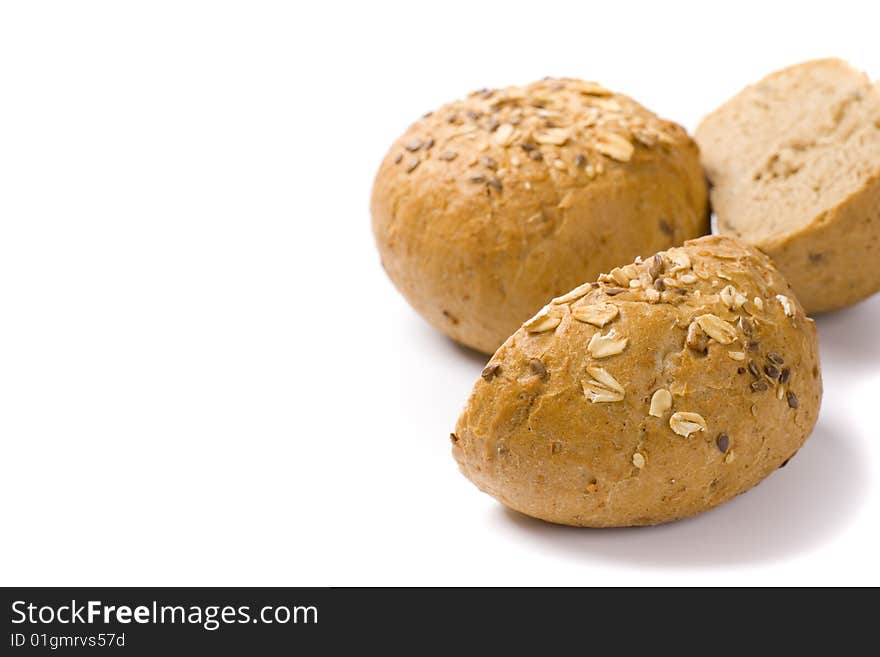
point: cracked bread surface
(794, 167)
(708, 382)
(490, 206)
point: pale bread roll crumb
(794, 163)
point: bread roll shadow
(848, 340)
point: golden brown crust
(492, 205)
(831, 263)
(570, 427)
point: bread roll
(490, 206)
(794, 163)
(666, 388)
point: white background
(205, 377)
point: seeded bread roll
(663, 390)
(490, 206)
(795, 166)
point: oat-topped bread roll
(490, 206)
(794, 163)
(668, 387)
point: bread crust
(551, 436)
(794, 162)
(490, 206)
(832, 262)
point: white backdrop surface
(205, 376)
